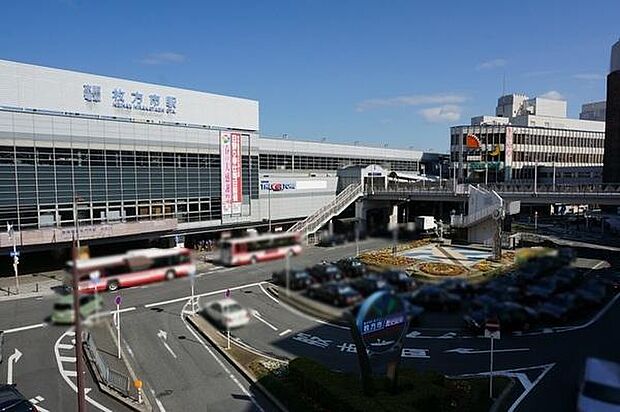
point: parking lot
(545, 292)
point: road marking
(470, 351)
(285, 332)
(218, 360)
(164, 337)
(215, 292)
(23, 328)
(66, 378)
(260, 285)
(13, 359)
(303, 315)
(258, 316)
(413, 334)
(527, 390)
(158, 402)
(448, 335)
(67, 359)
(65, 346)
(39, 398)
(70, 374)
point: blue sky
(395, 72)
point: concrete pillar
(394, 217)
(360, 214)
(331, 227)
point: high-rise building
(611, 163)
(593, 111)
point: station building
(122, 158)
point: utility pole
(15, 254)
(78, 327)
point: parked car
(331, 240)
(485, 301)
(541, 291)
(513, 316)
(227, 313)
(399, 280)
(476, 320)
(600, 389)
(352, 267)
(11, 400)
(335, 293)
(435, 298)
(460, 287)
(591, 293)
(325, 272)
(64, 312)
(369, 284)
(298, 278)
(557, 309)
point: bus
(252, 249)
(134, 268)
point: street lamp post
(11, 233)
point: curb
(502, 397)
(144, 407)
(246, 374)
(310, 307)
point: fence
(110, 377)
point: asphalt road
(186, 373)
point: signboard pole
(117, 300)
(491, 372)
(288, 273)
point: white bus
(252, 249)
(134, 268)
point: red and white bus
(252, 249)
(134, 268)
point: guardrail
(110, 377)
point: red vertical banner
(237, 187)
(226, 173)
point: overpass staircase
(316, 220)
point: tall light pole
(76, 305)
(15, 254)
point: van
(63, 312)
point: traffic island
(115, 377)
(256, 367)
(297, 300)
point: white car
(227, 313)
(600, 389)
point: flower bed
(441, 269)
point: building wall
(611, 171)
(44, 88)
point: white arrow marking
(413, 334)
(257, 316)
(470, 351)
(448, 335)
(12, 359)
(164, 336)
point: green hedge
(312, 387)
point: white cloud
(553, 95)
(445, 113)
(409, 100)
(588, 76)
(162, 58)
(492, 64)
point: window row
(558, 157)
(297, 162)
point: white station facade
(128, 159)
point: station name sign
(133, 100)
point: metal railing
(591, 189)
(313, 222)
(110, 377)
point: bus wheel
(113, 285)
(170, 275)
(253, 260)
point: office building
(528, 140)
(611, 169)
